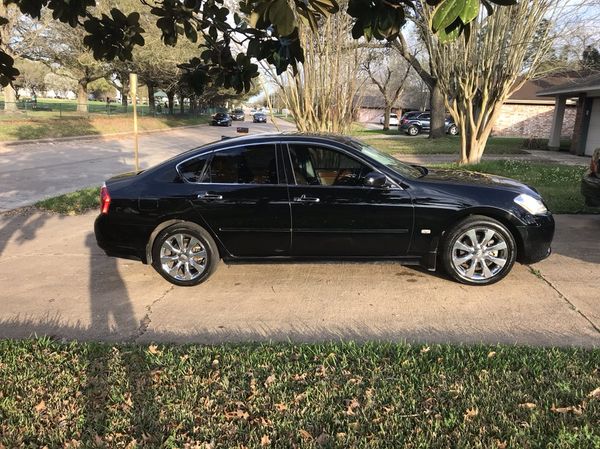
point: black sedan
(221, 119)
(259, 117)
(298, 196)
(238, 114)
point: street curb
(94, 137)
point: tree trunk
(386, 117)
(151, 101)
(438, 112)
(181, 105)
(82, 96)
(170, 97)
(10, 99)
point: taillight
(104, 200)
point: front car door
(240, 192)
(334, 214)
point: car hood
(466, 177)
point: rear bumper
(536, 239)
(109, 239)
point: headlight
(531, 204)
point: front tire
(185, 254)
(413, 131)
(478, 251)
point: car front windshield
(401, 168)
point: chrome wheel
(480, 254)
(413, 130)
(183, 257)
(453, 131)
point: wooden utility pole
(133, 95)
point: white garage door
(593, 139)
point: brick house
(525, 114)
(586, 131)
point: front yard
(376, 395)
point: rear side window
(256, 164)
(194, 170)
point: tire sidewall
(195, 231)
(453, 130)
(413, 131)
(463, 226)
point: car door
(425, 120)
(335, 214)
(241, 194)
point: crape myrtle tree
(266, 29)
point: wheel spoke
(472, 236)
(165, 259)
(489, 233)
(486, 270)
(170, 247)
(497, 247)
(460, 245)
(187, 274)
(463, 259)
(179, 239)
(174, 271)
(471, 271)
(497, 260)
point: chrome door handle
(209, 196)
(306, 199)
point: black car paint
(221, 119)
(405, 220)
(422, 122)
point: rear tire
(453, 130)
(413, 130)
(478, 251)
(185, 254)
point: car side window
(315, 165)
(425, 116)
(255, 164)
(194, 169)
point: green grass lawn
(444, 145)
(341, 395)
(558, 184)
(39, 127)
(72, 203)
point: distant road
(34, 171)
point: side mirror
(375, 179)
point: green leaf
(446, 13)
(446, 37)
(470, 11)
(282, 16)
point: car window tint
(255, 164)
(425, 116)
(193, 170)
(314, 165)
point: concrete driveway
(33, 171)
(55, 281)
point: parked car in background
(417, 123)
(590, 184)
(393, 120)
(303, 196)
(259, 117)
(238, 114)
(221, 119)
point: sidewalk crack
(562, 296)
(146, 320)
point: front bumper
(536, 239)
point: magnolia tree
(268, 30)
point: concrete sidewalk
(55, 281)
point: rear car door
(335, 214)
(425, 120)
(241, 194)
